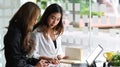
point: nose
(55, 21)
(34, 23)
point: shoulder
(37, 32)
(13, 35)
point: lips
(51, 24)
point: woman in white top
(47, 34)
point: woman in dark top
(17, 40)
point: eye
(58, 19)
(53, 18)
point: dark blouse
(14, 53)
(55, 43)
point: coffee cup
(108, 55)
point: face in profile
(54, 19)
(35, 20)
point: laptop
(77, 60)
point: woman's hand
(50, 60)
(42, 63)
(65, 57)
(53, 61)
(60, 57)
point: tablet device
(90, 60)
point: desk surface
(78, 63)
(68, 61)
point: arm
(60, 51)
(35, 53)
(14, 53)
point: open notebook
(75, 55)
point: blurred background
(87, 23)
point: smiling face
(54, 19)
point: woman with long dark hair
(17, 40)
(47, 35)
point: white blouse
(45, 47)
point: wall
(7, 10)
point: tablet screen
(94, 55)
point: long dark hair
(23, 21)
(43, 23)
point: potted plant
(115, 61)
